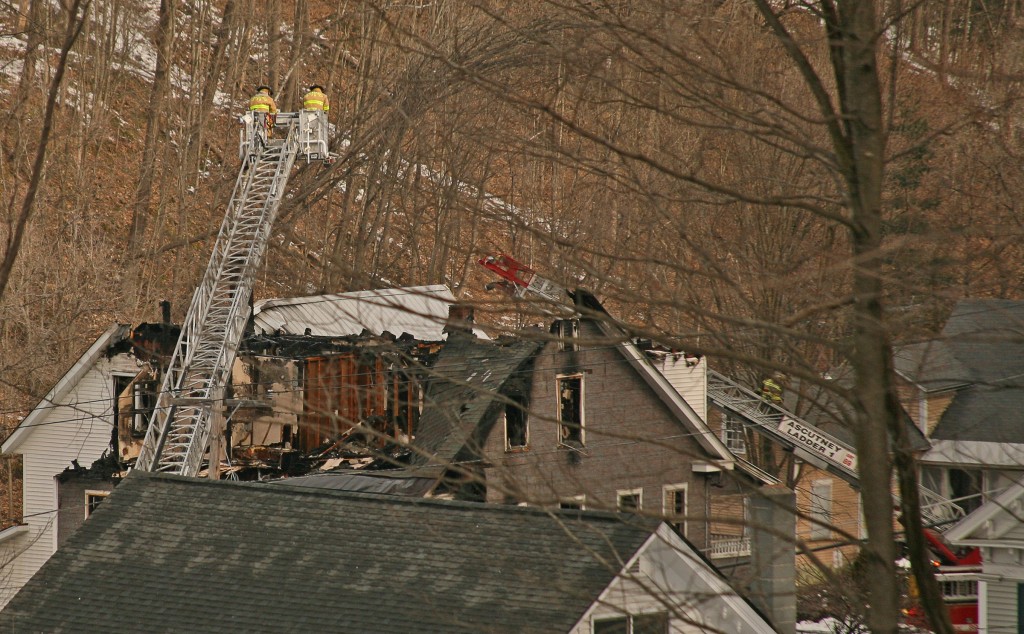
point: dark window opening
(675, 506)
(651, 623)
(570, 409)
(965, 488)
(612, 626)
(630, 502)
(568, 332)
(516, 433)
(571, 505)
(92, 500)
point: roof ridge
(282, 488)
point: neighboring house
(805, 441)
(965, 391)
(197, 555)
(579, 418)
(997, 528)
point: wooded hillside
(635, 150)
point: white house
(74, 421)
(997, 527)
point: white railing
(729, 546)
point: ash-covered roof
(165, 553)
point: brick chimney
(460, 319)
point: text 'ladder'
(806, 440)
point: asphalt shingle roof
(165, 553)
(980, 353)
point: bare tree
(158, 109)
(77, 13)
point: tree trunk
(157, 109)
(273, 9)
(77, 13)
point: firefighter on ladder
(315, 100)
(771, 392)
(264, 108)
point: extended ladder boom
(199, 368)
(806, 440)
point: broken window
(656, 623)
(516, 429)
(734, 435)
(821, 509)
(570, 408)
(92, 500)
(675, 507)
(568, 332)
(630, 501)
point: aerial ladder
(807, 441)
(194, 381)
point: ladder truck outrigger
(193, 384)
(805, 440)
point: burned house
(389, 391)
(301, 389)
(577, 417)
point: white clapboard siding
(1000, 606)
(690, 381)
(78, 429)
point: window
(574, 503)
(570, 408)
(568, 332)
(92, 500)
(630, 501)
(821, 509)
(656, 623)
(675, 507)
(143, 402)
(734, 435)
(517, 434)
(964, 487)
